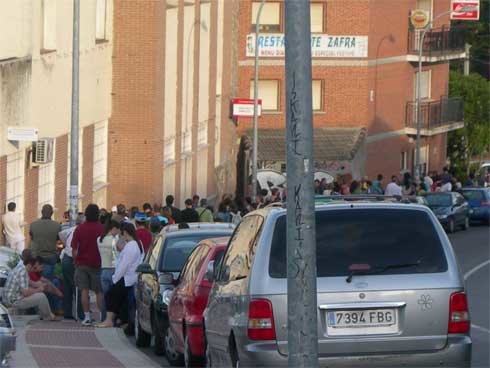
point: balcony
(436, 117)
(439, 44)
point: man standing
(189, 214)
(12, 228)
(195, 201)
(393, 189)
(144, 235)
(377, 185)
(174, 211)
(19, 294)
(44, 235)
(87, 259)
(204, 213)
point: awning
(329, 143)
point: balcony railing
(436, 114)
(437, 42)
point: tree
(474, 139)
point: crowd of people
(101, 250)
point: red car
(185, 338)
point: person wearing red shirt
(87, 259)
(144, 235)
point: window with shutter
(316, 16)
(270, 17)
(268, 93)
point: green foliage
(474, 138)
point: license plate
(362, 322)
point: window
(152, 256)
(100, 20)
(15, 179)
(187, 141)
(169, 150)
(316, 16)
(48, 19)
(100, 155)
(45, 190)
(403, 161)
(475, 195)
(345, 238)
(269, 17)
(424, 85)
(202, 133)
(424, 159)
(241, 249)
(194, 263)
(268, 93)
(317, 95)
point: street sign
(22, 134)
(419, 18)
(244, 107)
(465, 9)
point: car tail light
(261, 320)
(459, 316)
(484, 204)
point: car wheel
(159, 347)
(466, 224)
(189, 359)
(451, 226)
(143, 339)
(173, 356)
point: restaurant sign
(322, 46)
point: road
(472, 249)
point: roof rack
(356, 197)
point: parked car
(451, 209)
(479, 201)
(189, 298)
(158, 272)
(406, 305)
(7, 336)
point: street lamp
(256, 92)
(465, 8)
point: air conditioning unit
(42, 152)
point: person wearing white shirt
(393, 189)
(447, 187)
(12, 228)
(125, 275)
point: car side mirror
(145, 268)
(210, 276)
(166, 279)
(226, 274)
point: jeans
(48, 273)
(106, 281)
(69, 288)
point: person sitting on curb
(19, 294)
(36, 280)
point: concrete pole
(74, 132)
(467, 48)
(256, 112)
(301, 242)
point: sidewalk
(67, 344)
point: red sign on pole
(242, 107)
(465, 9)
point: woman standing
(125, 275)
(108, 254)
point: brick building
(170, 131)
(35, 93)
(364, 72)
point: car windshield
(177, 249)
(439, 200)
(373, 238)
(473, 194)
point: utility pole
(467, 48)
(75, 114)
(301, 240)
(256, 111)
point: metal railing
(435, 114)
(437, 42)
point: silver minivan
(390, 293)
